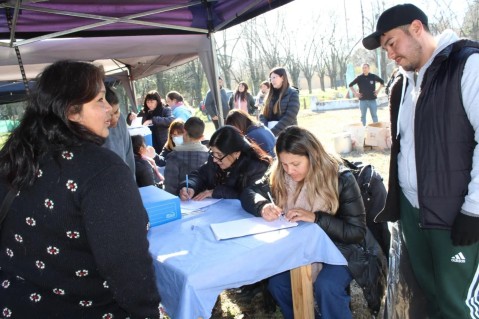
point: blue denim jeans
(330, 292)
(373, 109)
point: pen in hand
(187, 188)
(272, 202)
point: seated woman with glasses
(234, 164)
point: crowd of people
(74, 244)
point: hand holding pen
(270, 211)
(186, 193)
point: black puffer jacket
(229, 183)
(161, 118)
(288, 113)
(347, 229)
(348, 226)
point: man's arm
(381, 85)
(464, 230)
(351, 87)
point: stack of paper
(191, 207)
(248, 226)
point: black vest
(444, 141)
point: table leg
(302, 289)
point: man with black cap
(434, 167)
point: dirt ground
(237, 304)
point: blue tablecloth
(193, 268)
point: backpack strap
(7, 202)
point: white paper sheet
(136, 122)
(248, 226)
(190, 207)
(272, 124)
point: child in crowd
(186, 157)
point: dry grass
(325, 125)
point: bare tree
(225, 54)
(470, 26)
(320, 66)
(196, 76)
(252, 55)
(267, 41)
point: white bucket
(358, 133)
(342, 143)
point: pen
(272, 202)
(187, 193)
(270, 198)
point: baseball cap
(394, 17)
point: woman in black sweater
(73, 241)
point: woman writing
(234, 164)
(73, 242)
(309, 185)
(282, 103)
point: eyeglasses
(219, 159)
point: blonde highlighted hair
(322, 177)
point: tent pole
(17, 50)
(217, 91)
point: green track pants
(448, 275)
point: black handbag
(7, 202)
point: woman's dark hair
(241, 95)
(61, 90)
(111, 96)
(240, 119)
(152, 95)
(174, 95)
(277, 105)
(228, 139)
(137, 141)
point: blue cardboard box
(161, 206)
(144, 131)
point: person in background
(177, 105)
(157, 116)
(253, 130)
(186, 157)
(261, 96)
(175, 137)
(242, 99)
(147, 172)
(119, 140)
(74, 244)
(434, 167)
(282, 103)
(234, 164)
(367, 93)
(212, 107)
(309, 185)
